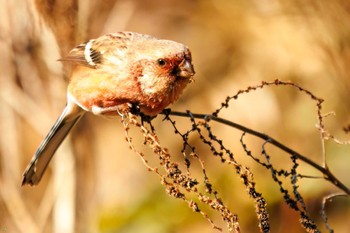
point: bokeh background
(96, 184)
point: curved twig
(327, 199)
(328, 175)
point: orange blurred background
(97, 184)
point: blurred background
(96, 184)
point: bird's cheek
(149, 83)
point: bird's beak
(185, 69)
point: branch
(328, 175)
(327, 199)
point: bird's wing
(94, 52)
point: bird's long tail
(37, 166)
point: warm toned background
(95, 183)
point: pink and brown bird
(110, 75)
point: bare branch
(328, 175)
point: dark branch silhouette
(328, 175)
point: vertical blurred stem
(10, 133)
(62, 17)
(64, 179)
(9, 192)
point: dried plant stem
(327, 199)
(176, 182)
(328, 175)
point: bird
(110, 76)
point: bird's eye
(161, 62)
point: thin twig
(328, 175)
(326, 199)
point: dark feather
(77, 55)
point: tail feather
(36, 168)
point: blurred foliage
(96, 184)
